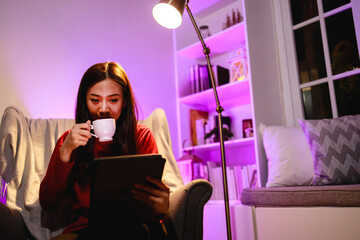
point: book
(196, 78)
(239, 184)
(249, 176)
(245, 176)
(232, 191)
(216, 180)
(221, 75)
(199, 77)
(192, 79)
(204, 77)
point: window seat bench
(330, 212)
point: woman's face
(105, 100)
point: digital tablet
(113, 178)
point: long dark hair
(124, 140)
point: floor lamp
(168, 13)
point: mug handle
(92, 128)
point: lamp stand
(219, 109)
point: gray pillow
(335, 149)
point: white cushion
(289, 157)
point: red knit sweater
(53, 187)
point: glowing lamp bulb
(167, 15)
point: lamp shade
(168, 13)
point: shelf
(231, 94)
(221, 203)
(242, 142)
(224, 41)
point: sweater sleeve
(53, 186)
(146, 141)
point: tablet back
(112, 179)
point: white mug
(104, 129)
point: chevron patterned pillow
(335, 148)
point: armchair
(25, 149)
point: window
(327, 57)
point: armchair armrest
(185, 217)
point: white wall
(46, 46)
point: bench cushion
(303, 196)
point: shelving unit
(235, 97)
(257, 97)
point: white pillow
(289, 158)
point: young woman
(104, 92)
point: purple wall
(46, 46)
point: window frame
(291, 89)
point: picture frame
(248, 130)
(197, 132)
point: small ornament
(239, 17)
(239, 67)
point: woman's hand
(79, 135)
(157, 198)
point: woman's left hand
(156, 197)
